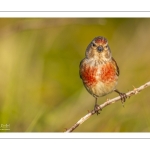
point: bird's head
(99, 49)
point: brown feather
(117, 68)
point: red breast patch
(108, 73)
(88, 75)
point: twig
(108, 102)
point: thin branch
(108, 102)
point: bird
(99, 70)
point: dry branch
(108, 102)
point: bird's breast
(89, 75)
(92, 74)
(108, 73)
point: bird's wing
(117, 68)
(80, 67)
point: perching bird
(99, 71)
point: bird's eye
(106, 46)
(94, 45)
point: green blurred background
(40, 88)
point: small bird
(99, 70)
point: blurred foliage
(40, 88)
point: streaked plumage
(98, 70)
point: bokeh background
(40, 88)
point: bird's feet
(96, 108)
(122, 95)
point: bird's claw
(122, 95)
(123, 98)
(96, 107)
